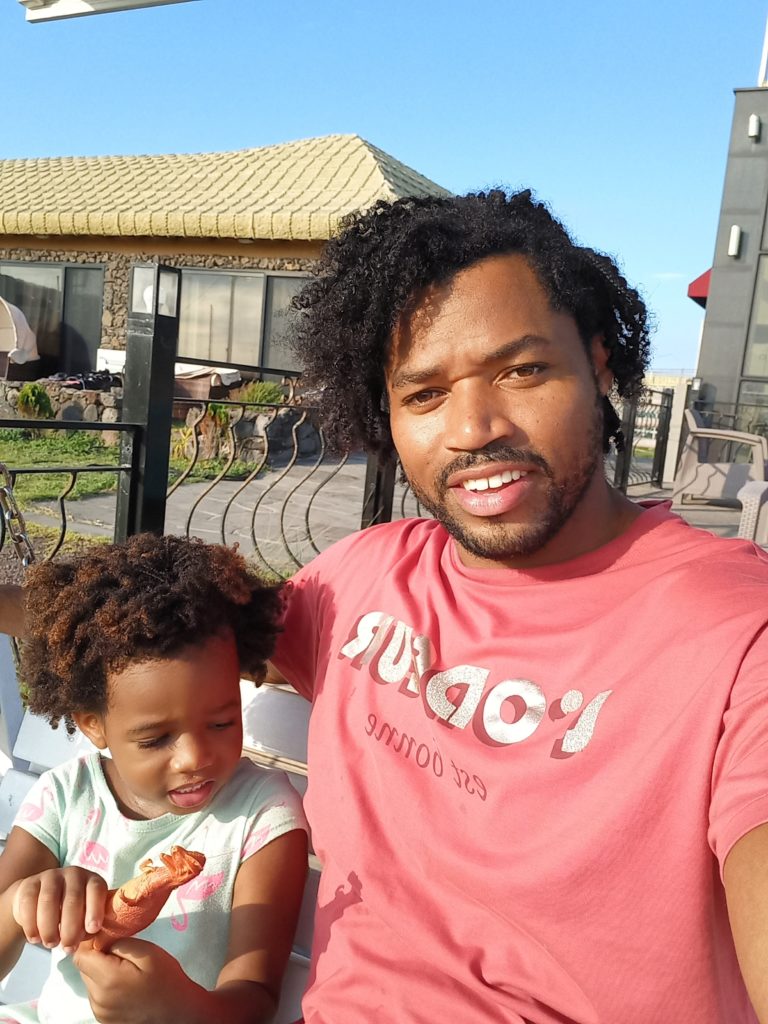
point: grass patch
(207, 469)
(44, 538)
(29, 447)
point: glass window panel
(277, 353)
(143, 290)
(168, 289)
(38, 292)
(247, 318)
(752, 410)
(221, 316)
(81, 330)
(205, 315)
(756, 361)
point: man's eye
(218, 726)
(526, 371)
(422, 397)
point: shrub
(260, 392)
(34, 401)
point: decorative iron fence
(751, 419)
(645, 423)
(256, 474)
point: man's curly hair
(145, 599)
(373, 270)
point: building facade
(246, 228)
(733, 359)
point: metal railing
(645, 423)
(260, 475)
(71, 473)
(747, 417)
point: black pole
(624, 458)
(662, 437)
(379, 492)
(148, 384)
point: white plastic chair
(701, 480)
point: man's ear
(600, 356)
(91, 724)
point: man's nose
(476, 416)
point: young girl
(141, 646)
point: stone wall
(117, 267)
(68, 403)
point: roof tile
(295, 190)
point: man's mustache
(488, 456)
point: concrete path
(284, 517)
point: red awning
(698, 290)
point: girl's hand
(137, 982)
(59, 906)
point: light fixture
(734, 240)
(50, 10)
(753, 127)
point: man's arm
(12, 610)
(745, 876)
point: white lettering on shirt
(405, 656)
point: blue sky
(616, 113)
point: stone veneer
(68, 403)
(117, 267)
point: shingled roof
(296, 190)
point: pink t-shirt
(521, 782)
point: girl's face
(173, 728)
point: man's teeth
(485, 483)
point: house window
(756, 359)
(62, 304)
(238, 317)
(276, 350)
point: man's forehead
(498, 287)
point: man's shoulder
(725, 576)
(386, 543)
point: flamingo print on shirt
(196, 890)
(260, 836)
(90, 853)
(30, 811)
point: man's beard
(498, 541)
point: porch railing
(261, 475)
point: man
(538, 732)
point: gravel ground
(10, 569)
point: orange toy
(136, 904)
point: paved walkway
(285, 518)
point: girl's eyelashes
(161, 741)
(157, 741)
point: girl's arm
(43, 902)
(265, 909)
(23, 856)
(142, 984)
